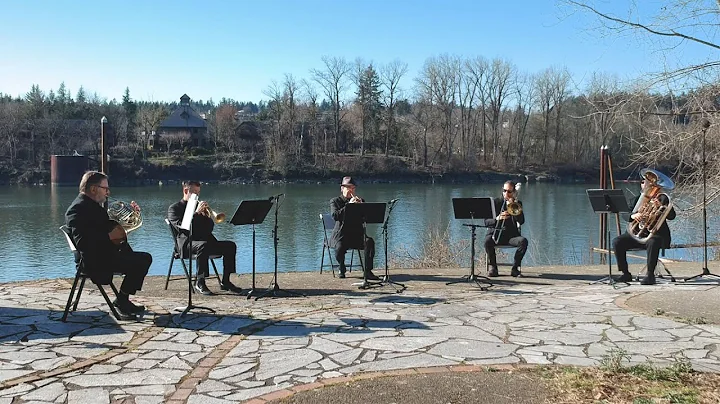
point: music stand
(251, 212)
(186, 224)
(274, 288)
(474, 208)
(386, 279)
(605, 201)
(364, 213)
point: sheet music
(189, 212)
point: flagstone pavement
(272, 347)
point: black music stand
(188, 218)
(605, 201)
(386, 279)
(251, 212)
(474, 208)
(274, 288)
(362, 214)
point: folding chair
(176, 255)
(328, 224)
(81, 276)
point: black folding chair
(80, 277)
(176, 255)
(328, 224)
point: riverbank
(370, 169)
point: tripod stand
(472, 208)
(605, 201)
(386, 279)
(274, 288)
(705, 271)
(187, 225)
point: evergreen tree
(368, 99)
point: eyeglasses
(105, 188)
(508, 190)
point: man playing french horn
(651, 213)
(504, 229)
(204, 244)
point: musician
(346, 236)
(89, 224)
(510, 231)
(660, 240)
(204, 244)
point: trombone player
(204, 244)
(504, 230)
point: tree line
(461, 114)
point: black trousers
(624, 242)
(369, 252)
(520, 242)
(204, 249)
(134, 265)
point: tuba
(653, 205)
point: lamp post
(103, 154)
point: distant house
(183, 127)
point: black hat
(347, 181)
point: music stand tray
(251, 212)
(474, 208)
(605, 201)
(362, 214)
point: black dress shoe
(648, 280)
(203, 289)
(371, 276)
(492, 272)
(126, 307)
(230, 287)
(625, 277)
(515, 272)
(341, 275)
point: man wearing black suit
(510, 231)
(89, 226)
(654, 244)
(204, 244)
(347, 235)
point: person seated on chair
(346, 236)
(94, 232)
(660, 240)
(204, 244)
(505, 226)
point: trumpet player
(346, 236)
(204, 243)
(653, 245)
(504, 230)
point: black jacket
(90, 227)
(664, 230)
(202, 226)
(510, 226)
(348, 233)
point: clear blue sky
(234, 49)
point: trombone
(513, 208)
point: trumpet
(215, 216)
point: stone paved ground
(271, 347)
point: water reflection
(560, 224)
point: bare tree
(391, 74)
(333, 80)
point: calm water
(559, 223)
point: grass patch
(615, 382)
